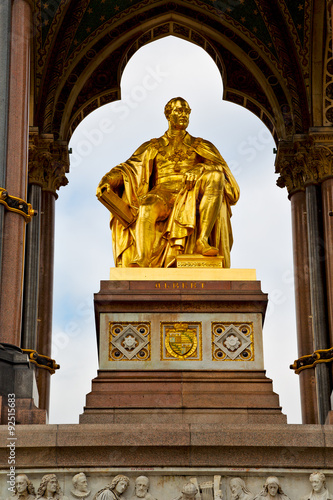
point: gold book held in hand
(117, 206)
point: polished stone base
(186, 397)
(185, 350)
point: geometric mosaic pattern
(129, 341)
(232, 341)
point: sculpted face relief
(171, 198)
(21, 484)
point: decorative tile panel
(129, 341)
(232, 341)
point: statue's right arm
(110, 181)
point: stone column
(318, 296)
(303, 305)
(54, 177)
(327, 203)
(289, 168)
(307, 162)
(16, 175)
(5, 18)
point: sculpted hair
(169, 106)
(77, 477)
(30, 486)
(42, 487)
(117, 479)
(240, 483)
(270, 480)
(320, 475)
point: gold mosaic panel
(129, 341)
(181, 340)
(232, 341)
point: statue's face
(236, 488)
(317, 483)
(272, 489)
(141, 487)
(121, 486)
(21, 484)
(81, 483)
(180, 115)
(52, 486)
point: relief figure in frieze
(49, 488)
(141, 489)
(80, 486)
(319, 489)
(239, 490)
(272, 490)
(114, 490)
(24, 489)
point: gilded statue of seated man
(179, 190)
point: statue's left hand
(191, 177)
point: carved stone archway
(269, 56)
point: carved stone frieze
(117, 485)
(306, 160)
(48, 161)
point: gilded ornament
(181, 340)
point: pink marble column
(327, 205)
(303, 305)
(45, 302)
(16, 176)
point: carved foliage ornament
(48, 162)
(305, 162)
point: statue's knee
(215, 177)
(149, 208)
(150, 200)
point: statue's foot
(204, 248)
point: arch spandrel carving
(70, 50)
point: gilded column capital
(48, 161)
(307, 160)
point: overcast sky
(261, 219)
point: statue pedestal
(184, 343)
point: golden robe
(180, 228)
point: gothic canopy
(263, 48)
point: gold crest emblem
(181, 340)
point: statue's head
(80, 482)
(141, 486)
(50, 484)
(23, 484)
(119, 483)
(272, 486)
(237, 486)
(189, 491)
(318, 481)
(177, 112)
